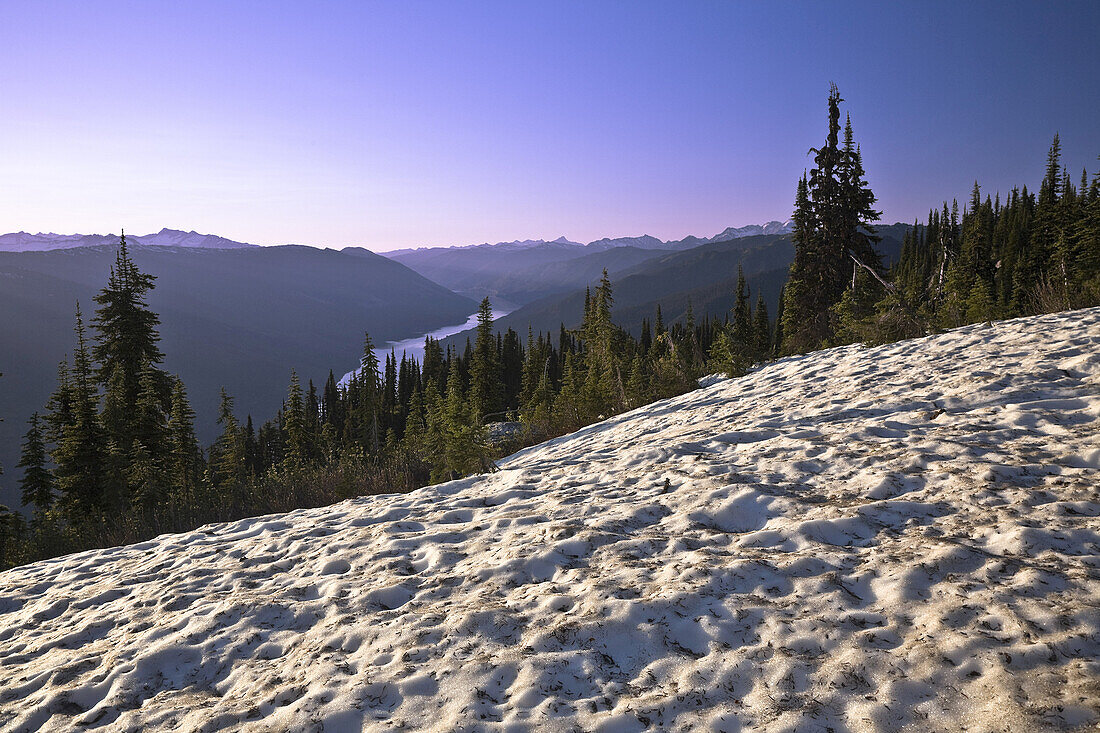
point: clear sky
(396, 124)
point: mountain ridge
(644, 241)
(49, 241)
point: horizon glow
(436, 124)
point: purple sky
(396, 124)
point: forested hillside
(236, 318)
(518, 273)
(113, 456)
(703, 277)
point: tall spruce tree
(742, 321)
(833, 237)
(148, 474)
(296, 428)
(227, 455)
(486, 391)
(1031, 265)
(37, 483)
(59, 407)
(81, 455)
(185, 456)
(761, 330)
(127, 344)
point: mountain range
(702, 278)
(516, 273)
(41, 242)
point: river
(413, 347)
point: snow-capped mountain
(644, 241)
(26, 242)
(904, 537)
(44, 241)
(752, 230)
(518, 244)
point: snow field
(859, 539)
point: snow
(25, 242)
(859, 539)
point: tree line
(113, 456)
(1026, 255)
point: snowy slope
(858, 539)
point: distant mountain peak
(44, 241)
(752, 230)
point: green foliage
(1028, 255)
(486, 374)
(833, 216)
(80, 455)
(37, 484)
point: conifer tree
(127, 343)
(463, 437)
(332, 405)
(296, 430)
(37, 483)
(369, 395)
(59, 407)
(185, 456)
(833, 236)
(81, 455)
(742, 324)
(313, 423)
(777, 339)
(227, 455)
(638, 384)
(148, 453)
(761, 330)
(12, 530)
(1030, 269)
(486, 393)
(511, 364)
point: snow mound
(857, 539)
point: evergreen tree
(227, 455)
(12, 530)
(127, 344)
(81, 455)
(332, 405)
(313, 423)
(742, 323)
(185, 456)
(777, 339)
(369, 397)
(464, 438)
(761, 330)
(296, 429)
(833, 236)
(486, 392)
(512, 367)
(59, 408)
(37, 484)
(148, 453)
(1030, 265)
